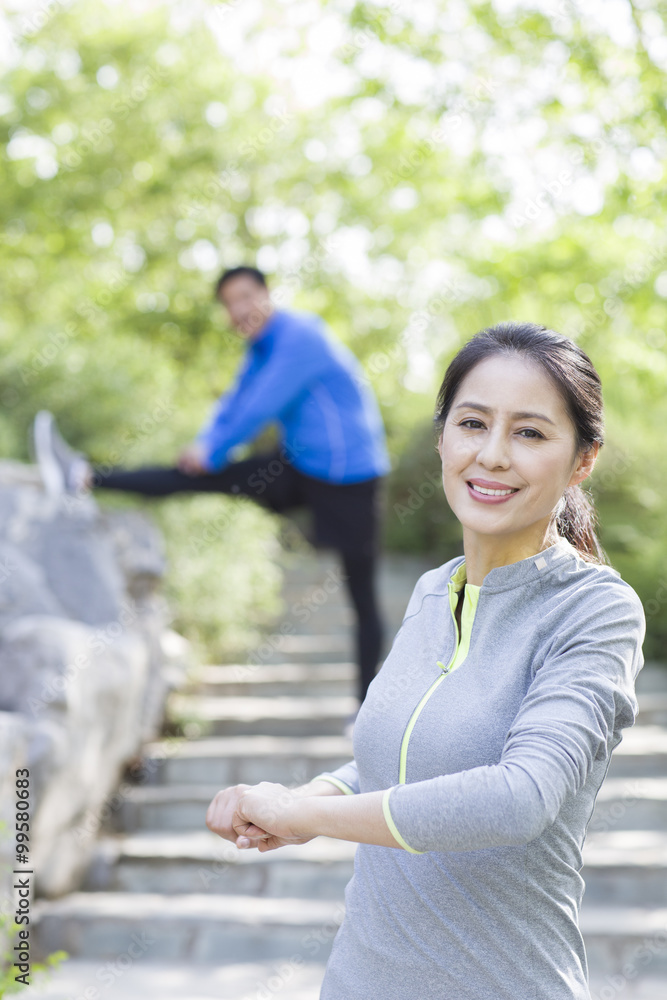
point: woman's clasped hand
(261, 816)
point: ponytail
(576, 520)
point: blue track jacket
(296, 374)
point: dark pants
(346, 518)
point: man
(332, 456)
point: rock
(87, 660)
(24, 589)
(70, 546)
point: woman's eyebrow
(520, 414)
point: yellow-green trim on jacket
(334, 781)
(470, 600)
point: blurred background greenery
(412, 171)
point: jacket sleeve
(213, 429)
(345, 777)
(581, 697)
(297, 359)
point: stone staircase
(169, 910)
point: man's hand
(191, 459)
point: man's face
(248, 304)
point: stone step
(285, 678)
(652, 678)
(292, 979)
(607, 987)
(281, 715)
(652, 708)
(630, 804)
(626, 868)
(202, 862)
(231, 760)
(642, 753)
(623, 943)
(309, 648)
(295, 978)
(154, 927)
(227, 928)
(167, 808)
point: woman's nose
(494, 452)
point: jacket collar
(524, 572)
(267, 333)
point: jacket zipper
(413, 718)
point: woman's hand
(220, 814)
(272, 809)
(256, 815)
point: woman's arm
(223, 816)
(291, 816)
(570, 718)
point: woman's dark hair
(573, 374)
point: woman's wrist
(318, 786)
(359, 818)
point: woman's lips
(491, 494)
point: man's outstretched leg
(67, 471)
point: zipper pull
(443, 667)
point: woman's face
(508, 449)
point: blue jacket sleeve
(582, 695)
(264, 392)
(208, 435)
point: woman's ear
(584, 467)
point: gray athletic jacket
(492, 752)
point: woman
(484, 738)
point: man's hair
(235, 272)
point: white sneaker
(63, 469)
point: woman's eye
(529, 432)
(468, 423)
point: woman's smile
(485, 491)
